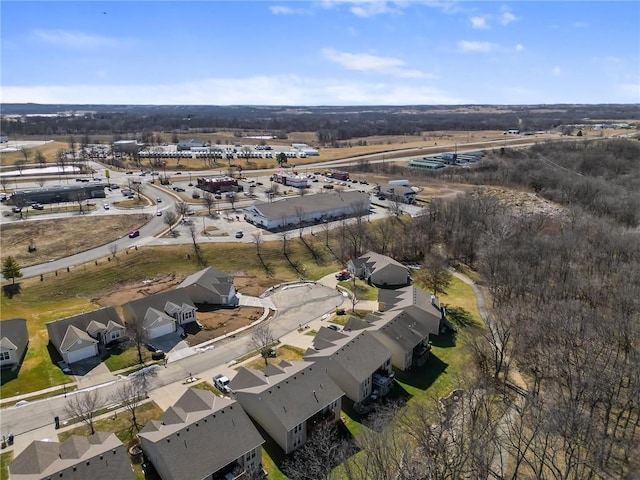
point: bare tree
(262, 340)
(170, 218)
(4, 181)
(113, 249)
(136, 186)
(435, 274)
(232, 197)
(129, 395)
(322, 452)
(138, 335)
(257, 239)
(181, 208)
(26, 154)
(40, 181)
(300, 217)
(209, 200)
(20, 165)
(79, 197)
(196, 248)
(84, 406)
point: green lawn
(70, 293)
(5, 460)
(364, 291)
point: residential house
(406, 320)
(13, 341)
(398, 193)
(162, 313)
(101, 456)
(210, 287)
(357, 361)
(202, 436)
(288, 400)
(79, 337)
(380, 270)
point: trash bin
(56, 421)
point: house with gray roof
(398, 193)
(14, 339)
(210, 287)
(357, 361)
(80, 336)
(379, 270)
(101, 456)
(162, 313)
(290, 212)
(202, 436)
(406, 320)
(288, 400)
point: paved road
(296, 306)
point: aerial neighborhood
(287, 400)
(192, 295)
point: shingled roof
(200, 434)
(212, 279)
(101, 456)
(65, 331)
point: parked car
(343, 275)
(335, 328)
(239, 234)
(37, 206)
(134, 234)
(157, 355)
(222, 383)
(106, 206)
(129, 173)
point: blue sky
(329, 52)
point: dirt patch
(215, 321)
(58, 238)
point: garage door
(161, 330)
(77, 355)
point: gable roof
(200, 434)
(402, 327)
(14, 334)
(357, 353)
(291, 391)
(211, 279)
(138, 308)
(375, 262)
(310, 204)
(58, 330)
(74, 337)
(100, 456)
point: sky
(324, 52)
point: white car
(106, 206)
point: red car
(134, 234)
(343, 275)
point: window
(5, 356)
(115, 334)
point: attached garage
(80, 351)
(160, 330)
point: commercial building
(59, 193)
(190, 144)
(291, 212)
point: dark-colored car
(134, 234)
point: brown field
(59, 238)
(49, 151)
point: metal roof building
(290, 212)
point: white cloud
(367, 8)
(282, 10)
(556, 71)
(519, 48)
(262, 90)
(507, 17)
(579, 24)
(364, 62)
(480, 47)
(79, 40)
(479, 23)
